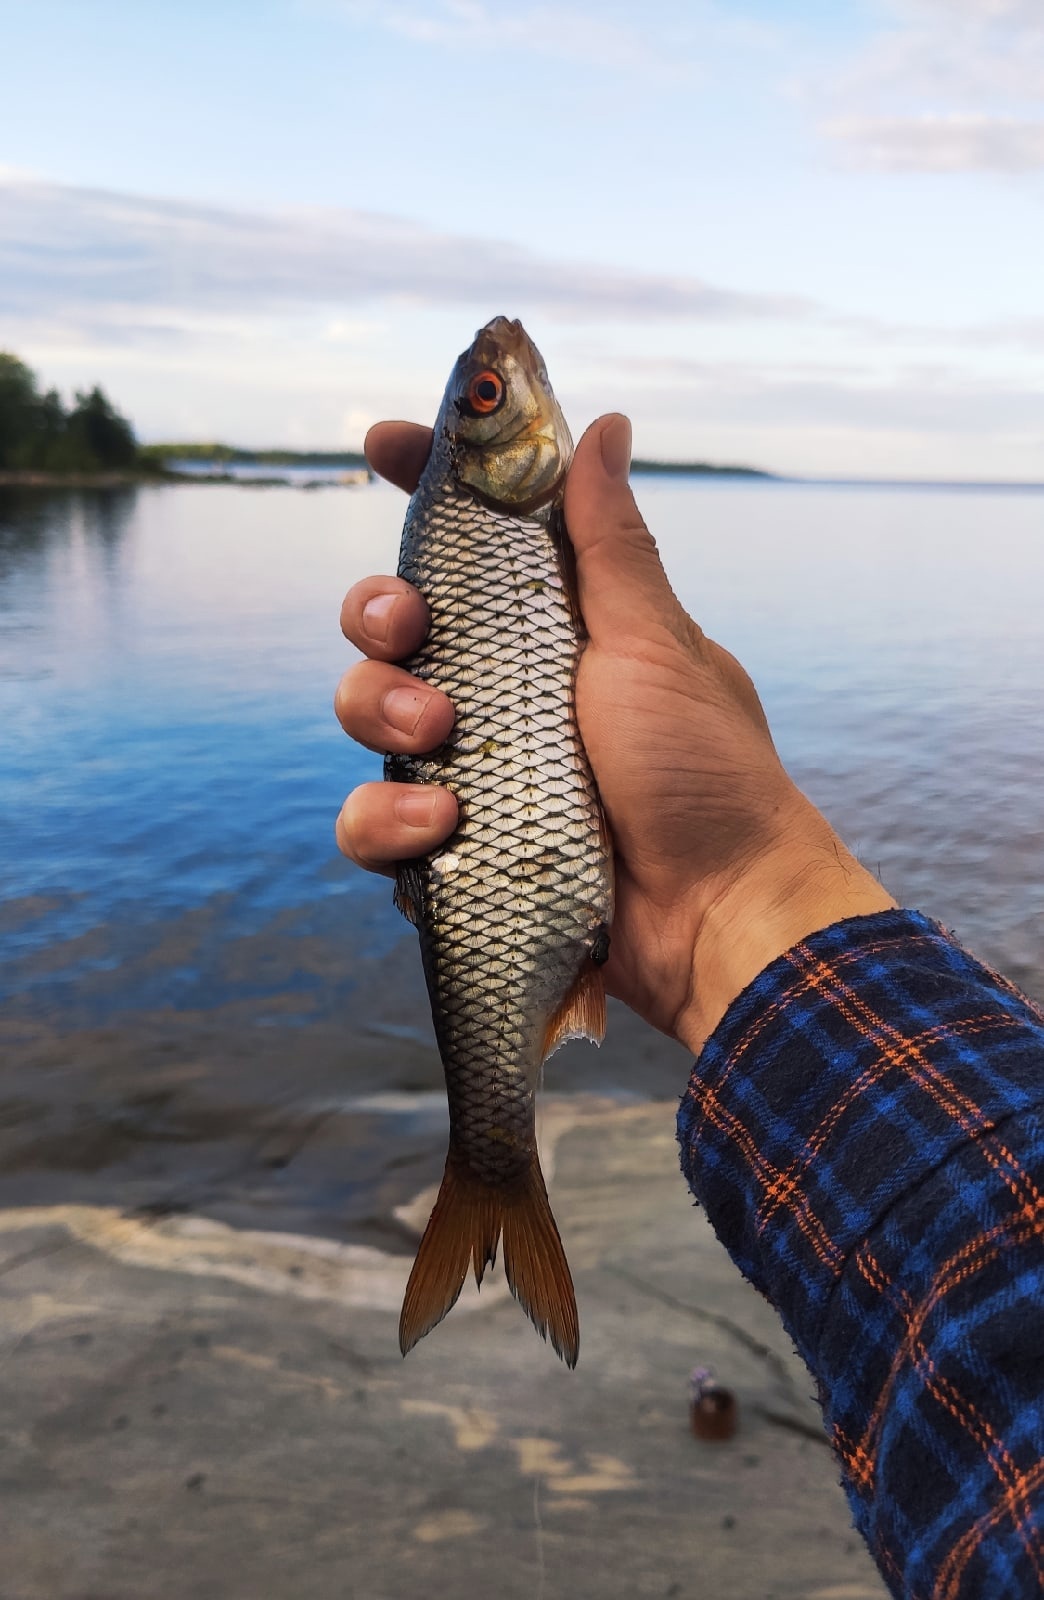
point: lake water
(170, 759)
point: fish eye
(485, 393)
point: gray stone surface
(194, 1406)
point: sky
(798, 234)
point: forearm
(863, 1128)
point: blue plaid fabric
(865, 1129)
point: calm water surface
(170, 759)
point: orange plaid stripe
(876, 1097)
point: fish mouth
(503, 336)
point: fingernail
(417, 809)
(403, 708)
(376, 613)
(616, 448)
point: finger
(382, 823)
(385, 618)
(398, 451)
(386, 709)
(623, 588)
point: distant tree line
(39, 433)
(235, 455)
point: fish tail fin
(536, 1266)
(462, 1231)
(465, 1225)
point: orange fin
(581, 1014)
(467, 1221)
(406, 895)
(536, 1267)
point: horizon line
(642, 465)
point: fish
(514, 910)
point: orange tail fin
(468, 1219)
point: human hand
(721, 862)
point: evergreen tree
(98, 431)
(36, 432)
(19, 412)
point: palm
(669, 752)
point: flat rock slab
(192, 1408)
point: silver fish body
(513, 911)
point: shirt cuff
(839, 1079)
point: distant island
(217, 455)
(230, 455)
(699, 469)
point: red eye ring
(485, 392)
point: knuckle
(634, 525)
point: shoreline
(356, 477)
(30, 479)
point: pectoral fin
(581, 1014)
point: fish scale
(500, 929)
(513, 910)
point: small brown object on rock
(712, 1408)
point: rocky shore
(204, 1236)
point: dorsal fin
(581, 1014)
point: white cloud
(592, 38)
(354, 425)
(271, 327)
(945, 86)
(969, 53)
(953, 143)
(1019, 13)
(347, 330)
(101, 259)
(674, 42)
(920, 398)
(1025, 332)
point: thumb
(623, 588)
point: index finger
(398, 451)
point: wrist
(806, 880)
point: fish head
(507, 437)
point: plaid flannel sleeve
(865, 1129)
